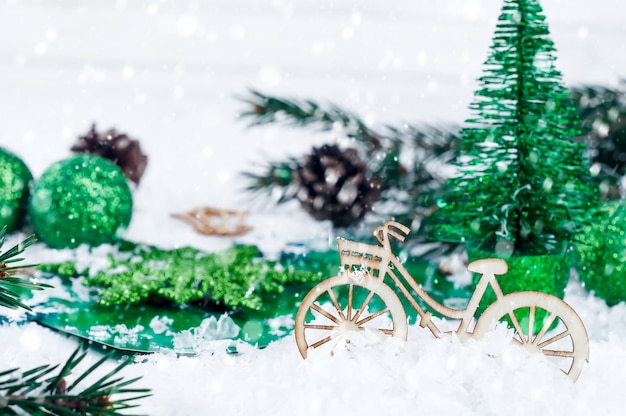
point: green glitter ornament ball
(601, 252)
(15, 180)
(82, 200)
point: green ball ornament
(15, 180)
(601, 252)
(82, 200)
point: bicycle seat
(488, 266)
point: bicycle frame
(466, 315)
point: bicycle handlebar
(381, 233)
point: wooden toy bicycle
(360, 298)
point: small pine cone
(117, 147)
(334, 185)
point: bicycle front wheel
(541, 323)
(342, 304)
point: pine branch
(411, 186)
(265, 109)
(602, 112)
(35, 391)
(276, 180)
(269, 110)
(9, 298)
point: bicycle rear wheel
(342, 304)
(541, 323)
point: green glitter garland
(233, 278)
(15, 179)
(524, 185)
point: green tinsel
(523, 184)
(233, 278)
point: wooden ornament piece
(362, 297)
(215, 221)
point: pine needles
(9, 298)
(44, 390)
(409, 186)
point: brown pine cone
(117, 147)
(335, 185)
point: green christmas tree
(523, 184)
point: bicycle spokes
(364, 305)
(541, 323)
(530, 324)
(342, 307)
(353, 314)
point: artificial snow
(168, 73)
(210, 329)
